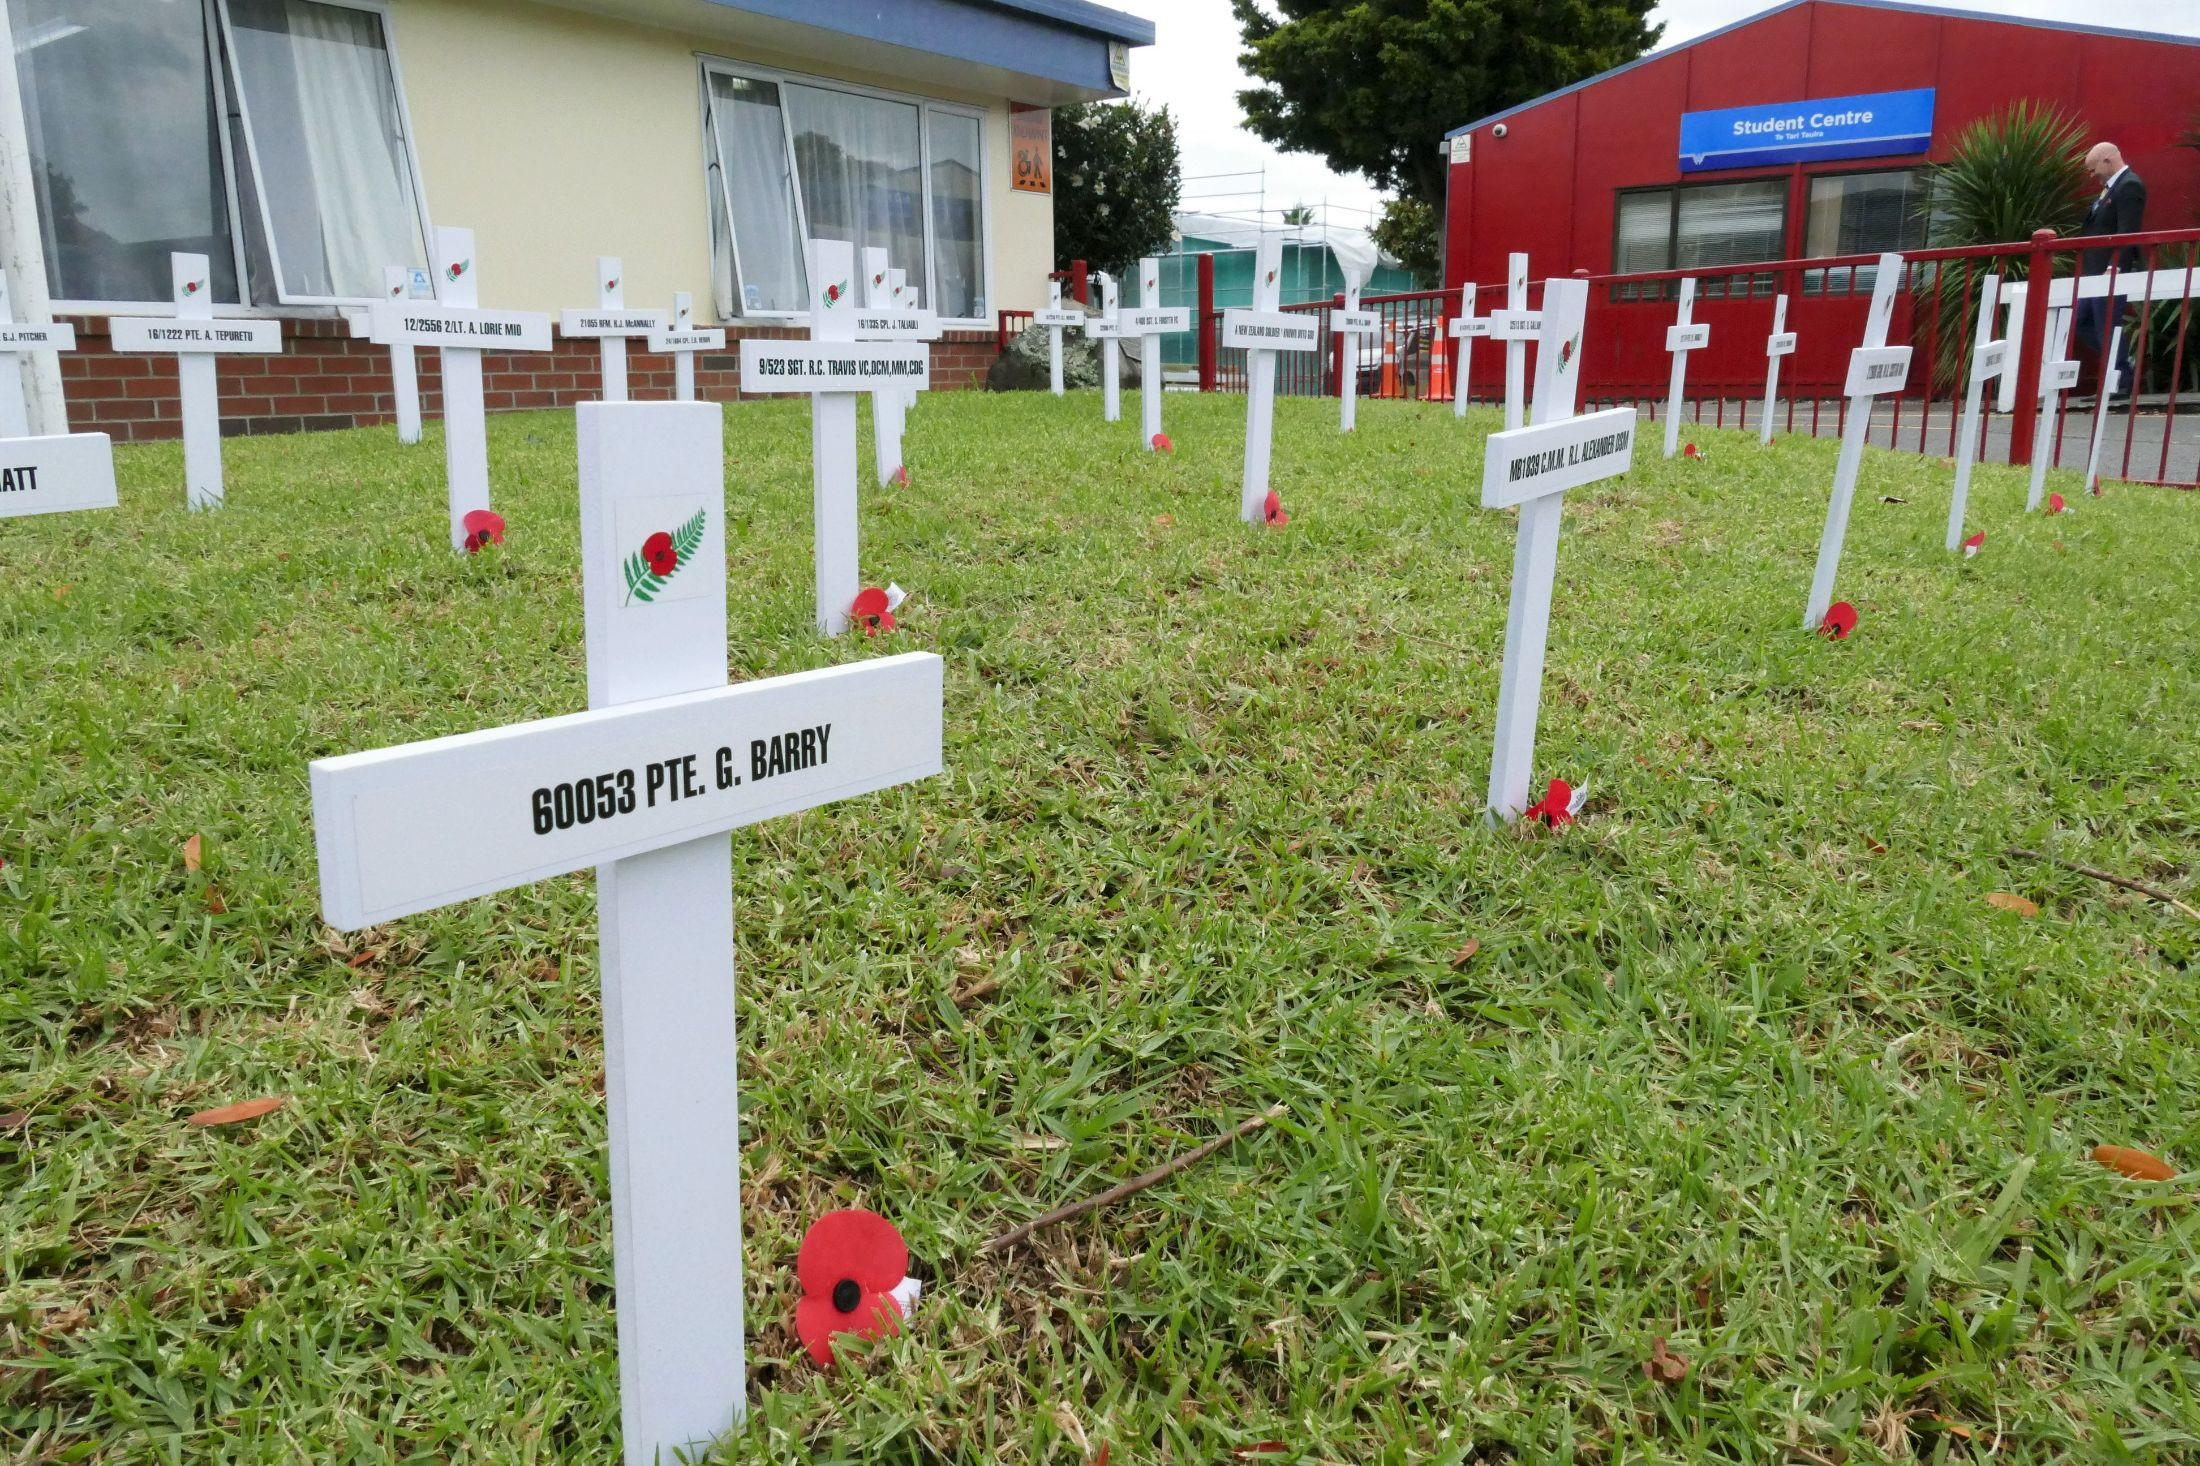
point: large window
(1863, 214)
(267, 135)
(1703, 227)
(791, 158)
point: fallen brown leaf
(14, 1120)
(2008, 902)
(363, 958)
(1465, 954)
(1164, 519)
(1663, 1366)
(62, 1321)
(239, 1112)
(191, 853)
(2137, 1164)
(1874, 846)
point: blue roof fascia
(1902, 5)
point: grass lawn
(1745, 1061)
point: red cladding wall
(1548, 185)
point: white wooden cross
(1780, 343)
(1262, 332)
(887, 316)
(644, 787)
(1533, 467)
(1354, 325)
(458, 328)
(16, 338)
(611, 323)
(1465, 327)
(1516, 326)
(1107, 329)
(2111, 379)
(834, 368)
(1989, 359)
(401, 283)
(680, 340)
(2058, 374)
(1683, 336)
(1875, 368)
(1055, 318)
(1147, 321)
(196, 338)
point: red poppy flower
(658, 551)
(1272, 510)
(872, 611)
(1840, 620)
(1558, 807)
(1692, 451)
(850, 1264)
(2054, 503)
(483, 527)
(900, 478)
(1162, 444)
(1974, 544)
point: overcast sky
(1192, 66)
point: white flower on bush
(1102, 211)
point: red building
(1594, 177)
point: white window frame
(749, 71)
(220, 41)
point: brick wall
(326, 378)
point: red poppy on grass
(900, 477)
(2055, 503)
(1559, 805)
(658, 551)
(854, 1270)
(483, 527)
(1162, 444)
(1692, 451)
(1974, 544)
(1272, 509)
(873, 610)
(1840, 620)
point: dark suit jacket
(2120, 210)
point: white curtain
(862, 169)
(758, 189)
(325, 132)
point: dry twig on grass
(2109, 876)
(1131, 1187)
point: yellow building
(305, 145)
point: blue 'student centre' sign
(1869, 126)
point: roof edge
(1905, 6)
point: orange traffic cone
(1389, 387)
(1439, 366)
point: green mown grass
(1745, 1060)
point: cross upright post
(1875, 368)
(681, 340)
(16, 339)
(1685, 335)
(1147, 321)
(1055, 318)
(1263, 331)
(1354, 325)
(1465, 328)
(1532, 467)
(196, 338)
(1989, 359)
(1780, 343)
(644, 787)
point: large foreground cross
(1533, 467)
(457, 326)
(644, 787)
(1875, 368)
(196, 338)
(1262, 332)
(834, 368)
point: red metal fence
(2151, 434)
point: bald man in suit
(2120, 208)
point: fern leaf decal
(660, 558)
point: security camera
(1498, 131)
